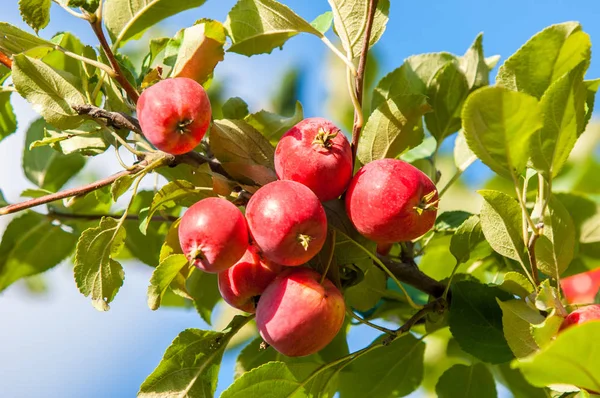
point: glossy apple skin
(325, 167)
(582, 315)
(278, 215)
(581, 288)
(247, 279)
(174, 114)
(383, 197)
(215, 233)
(297, 315)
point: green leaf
(544, 333)
(323, 22)
(48, 91)
(424, 150)
(349, 18)
(392, 371)
(198, 50)
(163, 276)
(31, 244)
(88, 5)
(126, 20)
(171, 244)
(563, 108)
(466, 238)
(502, 225)
(573, 358)
(3, 201)
(365, 295)
(245, 154)
(35, 13)
(14, 41)
(96, 273)
(474, 66)
(175, 193)
(273, 126)
(476, 321)
(556, 50)
(235, 108)
(8, 120)
(498, 125)
(89, 139)
(190, 366)
(156, 46)
(121, 185)
(446, 93)
(259, 26)
(449, 221)
(45, 167)
(203, 288)
(464, 381)
(463, 155)
(555, 249)
(516, 383)
(394, 127)
(62, 62)
(516, 284)
(517, 321)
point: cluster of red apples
(261, 257)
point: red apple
(174, 114)
(389, 200)
(315, 153)
(287, 222)
(297, 315)
(581, 288)
(213, 234)
(582, 315)
(241, 284)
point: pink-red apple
(582, 315)
(243, 283)
(174, 114)
(315, 153)
(298, 315)
(389, 200)
(581, 288)
(287, 222)
(213, 234)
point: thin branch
(370, 324)
(360, 77)
(91, 217)
(120, 77)
(409, 273)
(70, 11)
(5, 60)
(117, 120)
(532, 258)
(440, 305)
(109, 71)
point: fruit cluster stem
(360, 78)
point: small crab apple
(582, 315)
(389, 200)
(297, 314)
(581, 288)
(287, 222)
(174, 114)
(213, 234)
(243, 283)
(315, 153)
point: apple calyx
(304, 240)
(325, 138)
(182, 126)
(425, 203)
(197, 254)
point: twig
(91, 217)
(440, 305)
(117, 120)
(70, 11)
(370, 324)
(532, 258)
(5, 60)
(120, 77)
(109, 71)
(410, 274)
(360, 77)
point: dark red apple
(315, 153)
(174, 114)
(297, 315)
(389, 200)
(213, 234)
(581, 288)
(241, 284)
(582, 315)
(287, 222)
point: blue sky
(57, 345)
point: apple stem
(330, 259)
(304, 240)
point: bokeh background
(53, 343)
